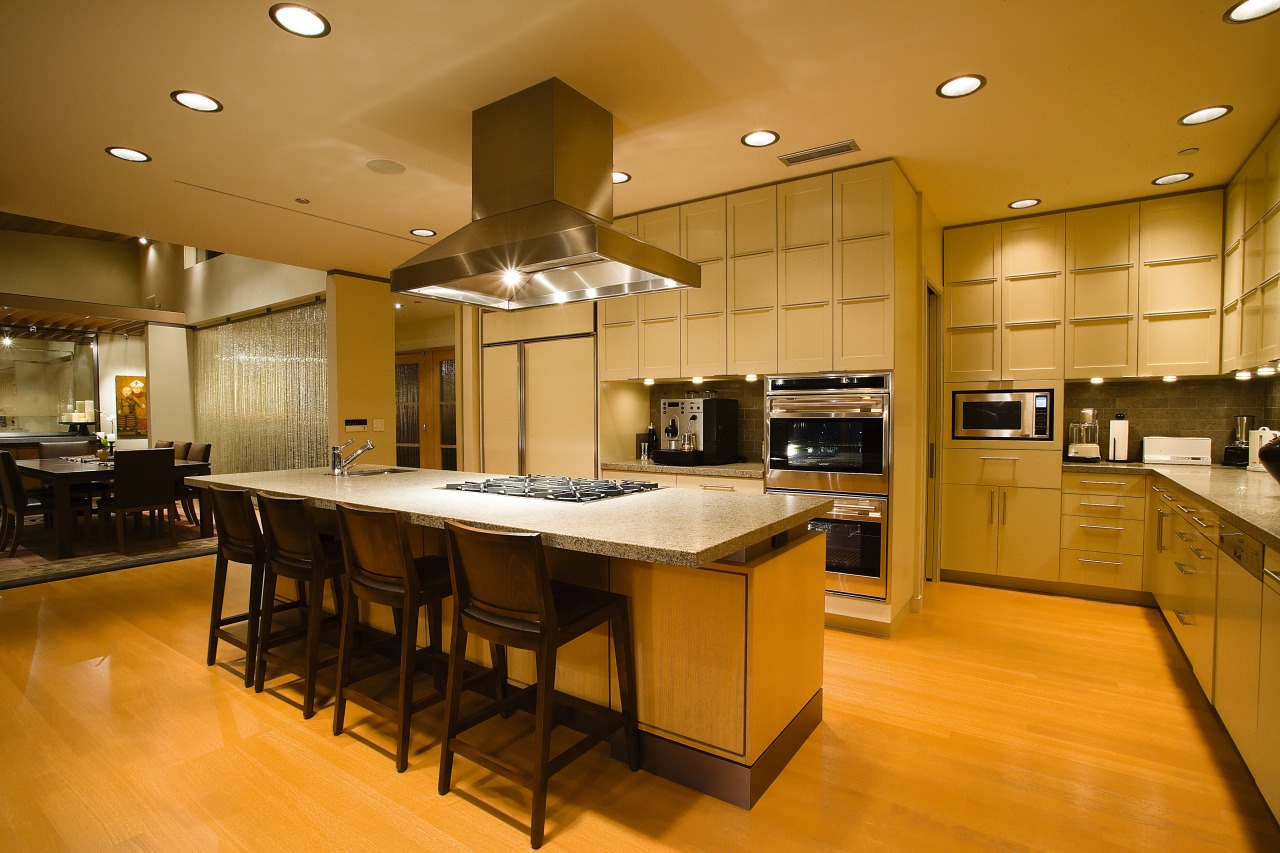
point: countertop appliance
(1082, 444)
(829, 435)
(1171, 450)
(1236, 454)
(697, 432)
(1009, 415)
(1118, 439)
(1258, 438)
(571, 489)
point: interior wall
(119, 356)
(229, 285)
(430, 333)
(169, 368)
(163, 284)
(360, 324)
(69, 268)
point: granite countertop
(682, 527)
(741, 470)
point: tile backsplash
(1188, 407)
(750, 397)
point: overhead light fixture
(620, 177)
(1187, 152)
(6, 341)
(132, 155)
(1267, 370)
(1175, 178)
(697, 380)
(397, 306)
(1205, 115)
(1095, 380)
(1170, 379)
(648, 381)
(302, 200)
(1243, 374)
(423, 232)
(1022, 203)
(201, 103)
(143, 241)
(299, 20)
(383, 166)
(958, 87)
(1250, 10)
(760, 138)
(511, 277)
(751, 377)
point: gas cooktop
(570, 489)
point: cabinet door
(753, 281)
(1029, 532)
(1239, 627)
(863, 268)
(972, 303)
(1268, 322)
(969, 528)
(560, 407)
(1250, 328)
(500, 409)
(619, 309)
(660, 348)
(1271, 245)
(1266, 766)
(1101, 307)
(1231, 337)
(619, 352)
(702, 345)
(703, 236)
(1032, 342)
(804, 338)
(972, 253)
(660, 228)
(804, 241)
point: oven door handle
(853, 515)
(828, 412)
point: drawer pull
(1103, 482)
(1181, 535)
(1185, 618)
(1189, 510)
(1157, 489)
(712, 487)
(1197, 520)
(1100, 527)
(1100, 562)
(1103, 506)
(999, 458)
(1183, 568)
(1274, 576)
(1197, 552)
(991, 507)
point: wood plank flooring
(995, 720)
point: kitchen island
(726, 595)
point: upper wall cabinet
(702, 310)
(1031, 288)
(752, 219)
(804, 275)
(1102, 292)
(1180, 284)
(971, 270)
(1251, 261)
(618, 327)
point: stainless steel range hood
(542, 205)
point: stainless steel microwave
(1011, 415)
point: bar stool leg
(623, 653)
(315, 611)
(435, 640)
(215, 617)
(408, 652)
(346, 644)
(542, 739)
(255, 617)
(268, 614)
(453, 697)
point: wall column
(360, 326)
(170, 385)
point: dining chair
(143, 483)
(188, 495)
(18, 504)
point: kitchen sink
(375, 471)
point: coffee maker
(1082, 438)
(697, 432)
(1236, 454)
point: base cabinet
(1266, 766)
(1238, 643)
(1000, 530)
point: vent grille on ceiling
(795, 158)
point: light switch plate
(378, 425)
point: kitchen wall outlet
(356, 424)
(379, 425)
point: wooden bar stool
(239, 541)
(503, 593)
(295, 549)
(382, 570)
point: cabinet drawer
(1099, 568)
(741, 485)
(1109, 535)
(1088, 483)
(668, 480)
(1037, 469)
(1104, 506)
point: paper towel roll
(1118, 441)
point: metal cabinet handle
(1197, 552)
(1004, 507)
(1274, 576)
(999, 458)
(1160, 516)
(1100, 527)
(1157, 489)
(1103, 506)
(1102, 482)
(1185, 618)
(1188, 510)
(1197, 520)
(991, 507)
(714, 488)
(1183, 568)
(1100, 562)
(1181, 535)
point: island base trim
(741, 785)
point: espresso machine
(1082, 438)
(697, 432)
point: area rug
(29, 567)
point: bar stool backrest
(198, 453)
(290, 537)
(239, 536)
(376, 548)
(501, 575)
(57, 449)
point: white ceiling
(1081, 106)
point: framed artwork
(131, 407)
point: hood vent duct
(542, 210)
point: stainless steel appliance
(571, 489)
(1010, 415)
(698, 432)
(829, 435)
(1082, 443)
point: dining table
(64, 472)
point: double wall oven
(829, 435)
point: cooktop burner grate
(572, 489)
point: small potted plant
(105, 442)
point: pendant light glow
(1021, 204)
(196, 101)
(760, 138)
(1205, 115)
(423, 232)
(1250, 10)
(1175, 178)
(299, 20)
(620, 177)
(958, 87)
(132, 155)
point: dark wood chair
(180, 449)
(143, 483)
(503, 593)
(188, 495)
(295, 549)
(239, 541)
(59, 449)
(382, 570)
(18, 504)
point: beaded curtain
(261, 394)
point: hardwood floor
(993, 720)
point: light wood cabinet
(1000, 530)
(1180, 285)
(741, 485)
(1102, 292)
(659, 333)
(1266, 766)
(804, 275)
(866, 205)
(1103, 529)
(752, 220)
(971, 303)
(617, 325)
(703, 321)
(1192, 608)
(1238, 643)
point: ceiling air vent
(795, 158)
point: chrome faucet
(340, 465)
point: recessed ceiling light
(1187, 152)
(1250, 10)
(1175, 178)
(620, 177)
(958, 87)
(133, 155)
(1206, 115)
(383, 166)
(397, 305)
(299, 20)
(196, 101)
(760, 138)
(423, 232)
(1024, 203)
(143, 241)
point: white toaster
(1167, 450)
